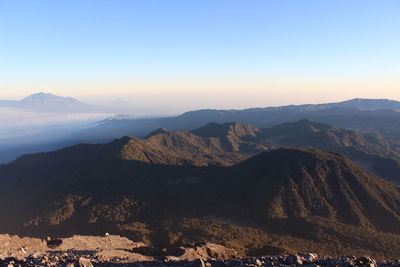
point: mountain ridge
(230, 143)
(381, 116)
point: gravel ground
(111, 250)
(71, 260)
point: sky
(174, 55)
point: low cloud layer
(16, 123)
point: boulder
(85, 263)
(209, 251)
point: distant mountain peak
(370, 104)
(304, 128)
(158, 131)
(40, 94)
(360, 99)
(42, 97)
(48, 102)
(308, 123)
(120, 101)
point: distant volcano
(49, 103)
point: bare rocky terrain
(95, 250)
(114, 250)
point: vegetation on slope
(283, 200)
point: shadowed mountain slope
(90, 189)
(294, 183)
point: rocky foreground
(111, 250)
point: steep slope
(292, 183)
(90, 189)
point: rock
(85, 263)
(53, 243)
(258, 262)
(98, 243)
(106, 234)
(209, 251)
(310, 257)
(298, 260)
(70, 265)
(117, 255)
(365, 261)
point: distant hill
(369, 104)
(370, 150)
(282, 200)
(49, 103)
(323, 136)
(366, 115)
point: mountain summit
(370, 104)
(53, 103)
(47, 98)
(49, 103)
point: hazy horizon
(138, 105)
(167, 57)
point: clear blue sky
(326, 49)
